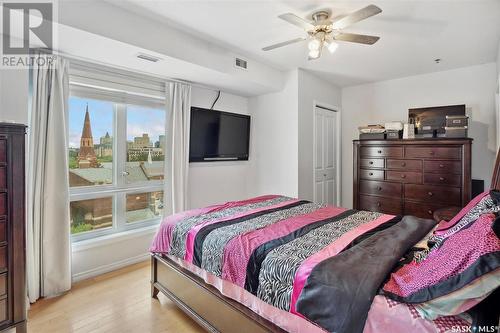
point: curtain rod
(161, 77)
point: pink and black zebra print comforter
(272, 245)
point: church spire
(86, 154)
(87, 130)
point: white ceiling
(413, 34)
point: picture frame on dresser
(411, 177)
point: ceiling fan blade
(356, 17)
(288, 42)
(297, 21)
(355, 38)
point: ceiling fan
(323, 31)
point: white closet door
(325, 181)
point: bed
(265, 265)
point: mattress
(271, 253)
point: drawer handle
(403, 176)
(371, 162)
(430, 212)
(442, 179)
(379, 204)
(430, 194)
(379, 188)
(371, 173)
(432, 152)
(441, 166)
(403, 164)
(380, 151)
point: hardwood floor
(97, 305)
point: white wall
(497, 96)
(390, 100)
(355, 112)
(14, 95)
(216, 182)
(275, 140)
(498, 62)
(282, 135)
(91, 258)
(311, 89)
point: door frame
(338, 147)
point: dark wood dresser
(12, 228)
(411, 177)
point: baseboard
(110, 267)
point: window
(144, 206)
(92, 214)
(145, 143)
(116, 162)
(90, 142)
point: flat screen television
(432, 120)
(218, 136)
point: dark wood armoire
(12, 228)
(412, 177)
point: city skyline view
(91, 156)
(140, 120)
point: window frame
(119, 189)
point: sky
(139, 120)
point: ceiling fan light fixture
(314, 45)
(332, 46)
(324, 30)
(314, 54)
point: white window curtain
(48, 232)
(178, 103)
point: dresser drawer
(405, 176)
(371, 162)
(3, 284)
(3, 257)
(3, 178)
(3, 150)
(382, 151)
(433, 152)
(3, 204)
(383, 189)
(3, 230)
(442, 179)
(421, 209)
(404, 164)
(433, 193)
(378, 204)
(443, 166)
(371, 174)
(3, 310)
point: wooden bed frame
(203, 302)
(207, 306)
